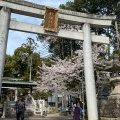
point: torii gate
(35, 10)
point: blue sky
(15, 39)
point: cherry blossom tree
(68, 70)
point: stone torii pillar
(89, 74)
(5, 14)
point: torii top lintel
(36, 10)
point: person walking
(20, 108)
(77, 112)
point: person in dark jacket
(20, 108)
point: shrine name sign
(51, 19)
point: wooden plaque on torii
(51, 19)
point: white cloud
(15, 38)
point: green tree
(20, 62)
(99, 7)
(64, 48)
(9, 66)
(22, 57)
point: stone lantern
(111, 110)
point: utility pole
(30, 67)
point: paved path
(48, 117)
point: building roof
(21, 84)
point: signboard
(41, 102)
(51, 19)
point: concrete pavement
(48, 117)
